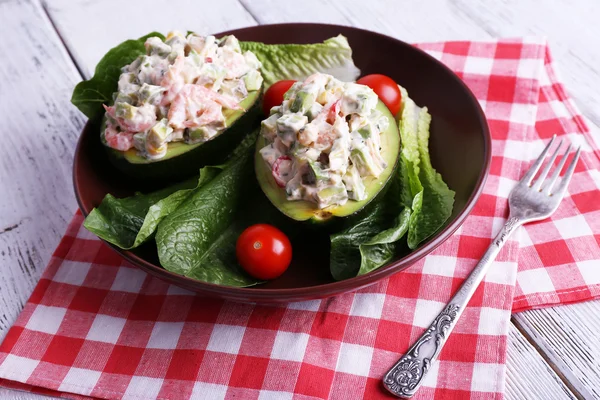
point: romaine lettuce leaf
(419, 202)
(297, 61)
(129, 222)
(438, 200)
(198, 238)
(89, 95)
(381, 248)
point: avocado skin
(213, 152)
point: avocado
(182, 159)
(316, 170)
(300, 210)
(302, 102)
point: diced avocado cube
(338, 156)
(275, 110)
(211, 72)
(155, 45)
(292, 90)
(364, 162)
(251, 60)
(199, 135)
(232, 42)
(128, 82)
(129, 98)
(366, 131)
(149, 93)
(288, 125)
(313, 111)
(253, 80)
(158, 134)
(139, 141)
(268, 127)
(317, 171)
(304, 153)
(358, 99)
(332, 195)
(125, 110)
(302, 102)
(354, 184)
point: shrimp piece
(143, 118)
(234, 62)
(196, 106)
(122, 141)
(200, 93)
(173, 80)
(211, 113)
(325, 139)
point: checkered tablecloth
(96, 326)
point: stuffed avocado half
(183, 104)
(328, 151)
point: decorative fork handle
(408, 373)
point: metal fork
(528, 201)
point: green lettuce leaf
(381, 248)
(129, 222)
(438, 200)
(418, 201)
(88, 96)
(297, 61)
(345, 256)
(198, 238)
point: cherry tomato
(274, 95)
(264, 251)
(386, 89)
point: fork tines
(547, 186)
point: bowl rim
(282, 295)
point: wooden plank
(539, 382)
(7, 394)
(90, 38)
(568, 336)
(40, 128)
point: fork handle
(408, 373)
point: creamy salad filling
(324, 140)
(178, 91)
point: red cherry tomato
(386, 89)
(274, 95)
(264, 251)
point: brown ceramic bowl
(460, 148)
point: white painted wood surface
(39, 128)
(37, 99)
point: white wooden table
(46, 47)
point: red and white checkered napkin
(96, 326)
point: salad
(324, 139)
(333, 155)
(177, 92)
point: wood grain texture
(569, 337)
(7, 394)
(37, 98)
(527, 375)
(39, 128)
(92, 38)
